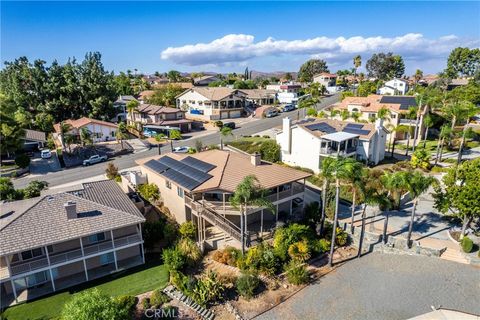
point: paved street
(122, 162)
(379, 287)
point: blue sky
(228, 36)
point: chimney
(287, 134)
(256, 159)
(71, 209)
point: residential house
(398, 108)
(204, 80)
(287, 92)
(394, 87)
(121, 107)
(57, 241)
(212, 103)
(326, 79)
(307, 142)
(34, 140)
(160, 117)
(100, 130)
(199, 187)
(454, 83)
(259, 97)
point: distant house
(306, 143)
(398, 106)
(159, 117)
(100, 130)
(34, 140)
(286, 93)
(121, 107)
(212, 103)
(326, 79)
(57, 241)
(454, 83)
(260, 97)
(205, 80)
(394, 87)
(144, 95)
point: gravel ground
(380, 286)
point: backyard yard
(131, 282)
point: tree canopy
(463, 62)
(311, 68)
(385, 66)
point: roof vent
(256, 159)
(71, 209)
(50, 198)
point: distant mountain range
(255, 74)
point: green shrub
(270, 151)
(467, 244)
(34, 189)
(208, 288)
(321, 245)
(341, 237)
(149, 192)
(111, 171)
(188, 230)
(93, 304)
(22, 160)
(299, 251)
(247, 284)
(158, 298)
(262, 258)
(189, 249)
(285, 237)
(127, 303)
(420, 159)
(146, 303)
(296, 272)
(118, 178)
(153, 232)
(218, 124)
(170, 232)
(173, 258)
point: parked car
(46, 154)
(94, 159)
(181, 149)
(288, 108)
(270, 113)
(230, 125)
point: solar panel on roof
(182, 173)
(181, 179)
(156, 166)
(405, 102)
(356, 131)
(354, 126)
(198, 164)
(321, 127)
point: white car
(181, 149)
(46, 154)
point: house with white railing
(57, 241)
(199, 187)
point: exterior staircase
(454, 255)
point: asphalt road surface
(127, 161)
(381, 286)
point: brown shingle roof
(231, 168)
(153, 109)
(370, 104)
(35, 135)
(45, 221)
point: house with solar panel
(198, 188)
(398, 107)
(56, 241)
(307, 142)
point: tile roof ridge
(223, 169)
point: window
(393, 116)
(30, 254)
(180, 192)
(37, 278)
(96, 237)
(106, 258)
(168, 184)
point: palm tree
(224, 132)
(249, 193)
(342, 169)
(357, 62)
(85, 136)
(64, 128)
(174, 135)
(69, 139)
(344, 114)
(355, 115)
(354, 181)
(120, 135)
(132, 106)
(445, 133)
(383, 113)
(418, 76)
(327, 175)
(397, 129)
(427, 123)
(417, 184)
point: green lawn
(249, 144)
(131, 282)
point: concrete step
(454, 255)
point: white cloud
(241, 47)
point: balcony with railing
(70, 255)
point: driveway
(39, 166)
(379, 286)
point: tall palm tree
(249, 193)
(427, 123)
(354, 181)
(417, 184)
(357, 62)
(342, 169)
(327, 176)
(445, 134)
(121, 133)
(64, 129)
(396, 185)
(69, 139)
(398, 129)
(132, 106)
(344, 114)
(224, 132)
